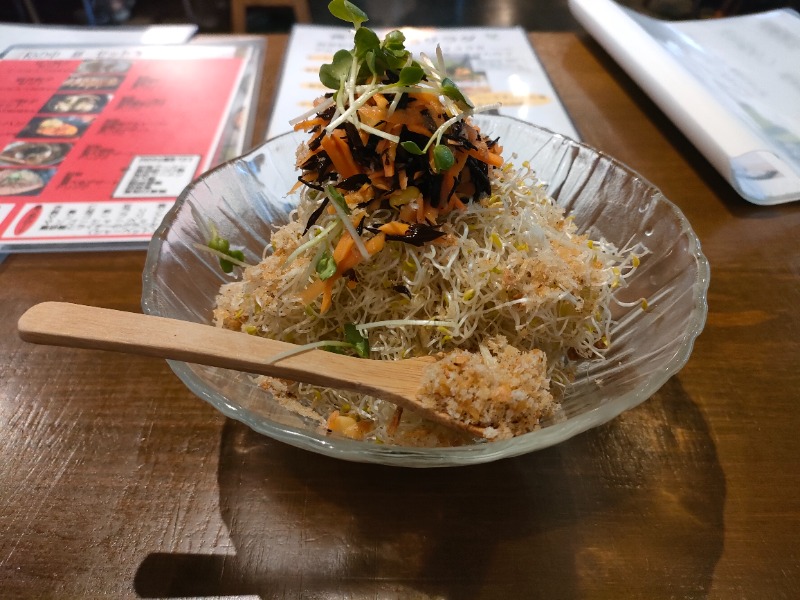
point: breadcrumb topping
(501, 389)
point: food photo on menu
(111, 67)
(76, 103)
(92, 82)
(71, 126)
(23, 182)
(33, 154)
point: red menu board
(96, 143)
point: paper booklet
(732, 86)
(491, 65)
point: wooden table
(115, 481)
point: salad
(413, 235)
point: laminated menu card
(97, 142)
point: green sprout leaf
(366, 40)
(219, 244)
(360, 343)
(226, 265)
(223, 246)
(394, 41)
(337, 197)
(412, 148)
(370, 59)
(347, 11)
(332, 74)
(451, 90)
(326, 266)
(411, 75)
(443, 157)
(393, 50)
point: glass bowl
(247, 196)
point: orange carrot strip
(344, 149)
(420, 129)
(490, 158)
(349, 259)
(344, 246)
(394, 228)
(431, 214)
(450, 175)
(312, 291)
(380, 100)
(382, 146)
(309, 123)
(407, 213)
(402, 179)
(340, 155)
(371, 114)
(420, 209)
(375, 244)
(456, 203)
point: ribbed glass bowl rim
(478, 453)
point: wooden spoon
(78, 326)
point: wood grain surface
(117, 482)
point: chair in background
(302, 12)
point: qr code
(162, 176)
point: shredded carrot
(408, 213)
(349, 257)
(341, 157)
(402, 179)
(380, 181)
(310, 123)
(391, 181)
(394, 228)
(371, 115)
(495, 160)
(327, 296)
(431, 214)
(375, 244)
(343, 247)
(364, 194)
(380, 100)
(413, 120)
(456, 204)
(420, 216)
(312, 291)
(449, 176)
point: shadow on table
(635, 506)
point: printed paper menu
(96, 143)
(492, 65)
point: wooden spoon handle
(78, 326)
(64, 324)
